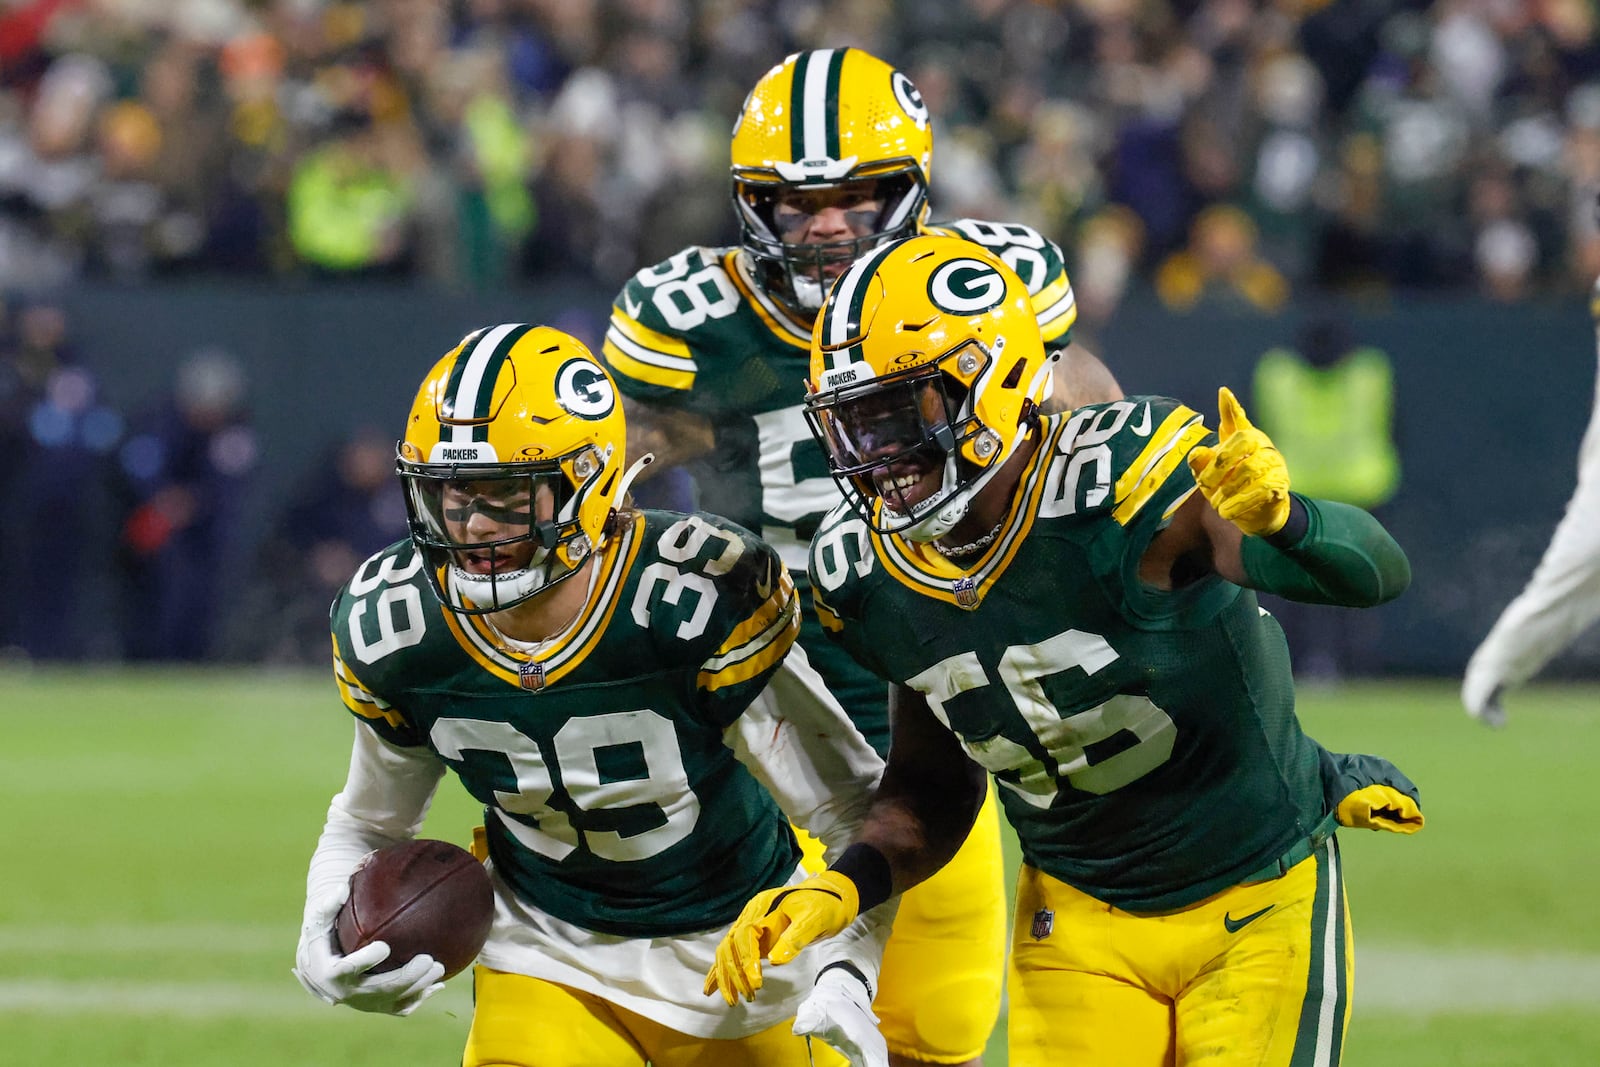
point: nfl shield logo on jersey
(966, 590)
(531, 675)
(1044, 920)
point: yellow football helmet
(512, 461)
(818, 120)
(927, 369)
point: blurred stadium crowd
(1220, 152)
(1211, 146)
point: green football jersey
(697, 332)
(1145, 741)
(611, 800)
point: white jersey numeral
(687, 299)
(396, 612)
(575, 762)
(1066, 739)
(785, 496)
(680, 544)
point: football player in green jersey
(1066, 602)
(831, 157)
(613, 685)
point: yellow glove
(1244, 476)
(777, 924)
(1380, 807)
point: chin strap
(953, 510)
(630, 474)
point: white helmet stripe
(466, 395)
(817, 114)
(843, 310)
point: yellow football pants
(529, 1022)
(939, 991)
(1257, 975)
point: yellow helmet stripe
(815, 103)
(470, 391)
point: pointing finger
(1232, 413)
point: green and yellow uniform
(1144, 742)
(617, 762)
(698, 333)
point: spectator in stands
(1221, 266)
(47, 170)
(350, 507)
(188, 168)
(485, 161)
(183, 474)
(59, 436)
(350, 202)
(1328, 403)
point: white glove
(839, 1011)
(336, 979)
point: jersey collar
(922, 569)
(777, 318)
(541, 667)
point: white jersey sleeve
(385, 798)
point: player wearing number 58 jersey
(607, 683)
(831, 157)
(1066, 603)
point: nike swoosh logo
(631, 306)
(764, 586)
(1235, 925)
(1142, 427)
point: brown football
(418, 896)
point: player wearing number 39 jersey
(831, 157)
(616, 688)
(1065, 602)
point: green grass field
(160, 825)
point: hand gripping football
(418, 896)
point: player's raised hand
(776, 924)
(1244, 477)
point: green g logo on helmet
(966, 287)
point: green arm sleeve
(1344, 773)
(1345, 557)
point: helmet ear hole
(1014, 375)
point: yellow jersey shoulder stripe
(357, 698)
(637, 351)
(827, 616)
(1056, 308)
(648, 344)
(1178, 433)
(758, 643)
(760, 619)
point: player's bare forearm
(673, 436)
(1080, 378)
(929, 797)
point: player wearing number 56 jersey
(831, 157)
(606, 682)
(1065, 602)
